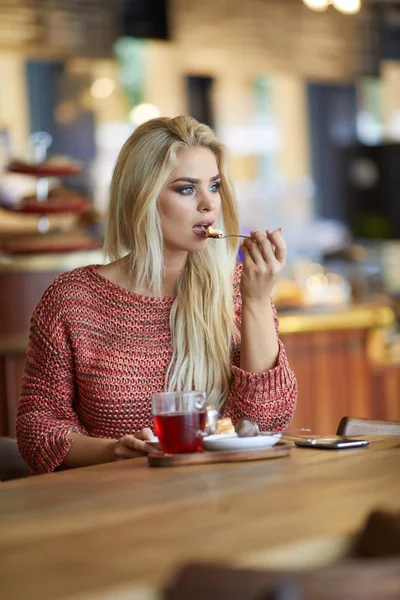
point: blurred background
(304, 93)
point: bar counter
(337, 354)
(60, 262)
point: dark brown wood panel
(333, 376)
(386, 386)
(298, 348)
(3, 400)
(11, 371)
(20, 292)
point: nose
(207, 201)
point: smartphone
(331, 443)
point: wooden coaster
(201, 458)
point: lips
(200, 228)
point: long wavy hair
(202, 317)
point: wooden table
(121, 530)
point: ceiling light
(319, 5)
(102, 88)
(143, 112)
(349, 7)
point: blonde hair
(202, 316)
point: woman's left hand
(264, 257)
(133, 445)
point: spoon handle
(234, 235)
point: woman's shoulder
(67, 289)
(77, 280)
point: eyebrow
(190, 180)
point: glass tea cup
(180, 420)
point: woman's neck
(174, 266)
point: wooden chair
(350, 427)
(12, 465)
(355, 579)
(380, 536)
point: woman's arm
(259, 339)
(264, 258)
(263, 386)
(46, 417)
(85, 450)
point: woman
(172, 310)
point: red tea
(178, 432)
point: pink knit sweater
(97, 352)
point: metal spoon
(233, 235)
(223, 237)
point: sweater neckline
(115, 288)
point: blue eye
(186, 191)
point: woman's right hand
(133, 446)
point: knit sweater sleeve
(267, 398)
(46, 415)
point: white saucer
(231, 441)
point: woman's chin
(199, 243)
(193, 244)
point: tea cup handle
(212, 421)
